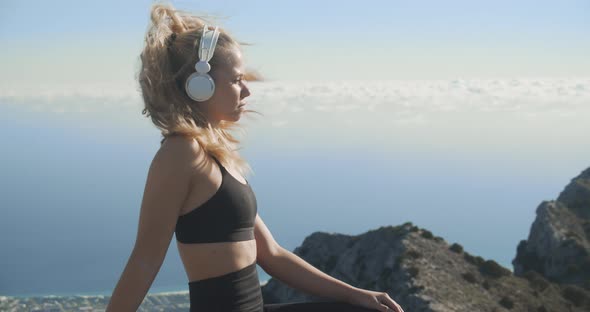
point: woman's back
(204, 260)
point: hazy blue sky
(496, 123)
(99, 41)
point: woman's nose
(245, 91)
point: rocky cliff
(558, 244)
(423, 272)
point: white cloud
(409, 98)
(479, 115)
(279, 123)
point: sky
(90, 42)
(468, 160)
(480, 105)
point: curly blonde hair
(166, 64)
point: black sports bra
(228, 216)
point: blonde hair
(166, 64)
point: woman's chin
(237, 115)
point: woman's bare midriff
(207, 260)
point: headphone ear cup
(200, 87)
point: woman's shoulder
(182, 150)
(180, 141)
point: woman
(195, 186)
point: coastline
(158, 291)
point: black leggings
(324, 306)
(240, 291)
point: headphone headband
(208, 43)
(200, 86)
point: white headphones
(199, 85)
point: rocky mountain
(558, 245)
(423, 272)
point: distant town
(169, 301)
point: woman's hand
(374, 300)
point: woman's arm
(166, 188)
(294, 271)
(297, 273)
(133, 284)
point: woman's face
(230, 91)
